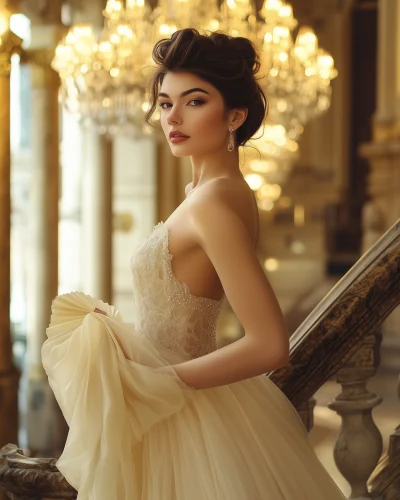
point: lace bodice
(164, 308)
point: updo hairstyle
(228, 63)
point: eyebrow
(186, 92)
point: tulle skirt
(137, 432)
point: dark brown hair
(228, 63)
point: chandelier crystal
(104, 78)
(297, 73)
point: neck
(221, 164)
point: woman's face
(196, 109)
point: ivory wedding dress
(137, 432)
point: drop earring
(231, 142)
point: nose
(174, 116)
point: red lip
(176, 133)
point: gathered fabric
(138, 432)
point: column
(96, 188)
(135, 210)
(388, 76)
(383, 155)
(9, 375)
(97, 215)
(43, 414)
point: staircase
(339, 339)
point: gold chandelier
(297, 72)
(104, 79)
(299, 75)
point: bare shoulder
(221, 192)
(220, 206)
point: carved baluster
(359, 444)
(394, 458)
(306, 412)
(25, 478)
(393, 492)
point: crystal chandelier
(297, 73)
(298, 77)
(104, 78)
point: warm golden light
(263, 166)
(286, 11)
(266, 205)
(299, 215)
(213, 25)
(105, 47)
(273, 5)
(326, 65)
(269, 191)
(271, 264)
(280, 32)
(134, 3)
(124, 30)
(307, 39)
(4, 22)
(255, 181)
(145, 106)
(167, 30)
(114, 6)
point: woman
(156, 411)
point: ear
(238, 117)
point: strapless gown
(137, 432)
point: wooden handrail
(354, 308)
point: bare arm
(265, 345)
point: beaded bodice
(164, 308)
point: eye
(193, 102)
(199, 102)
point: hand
(97, 310)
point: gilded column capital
(10, 43)
(43, 74)
(41, 52)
